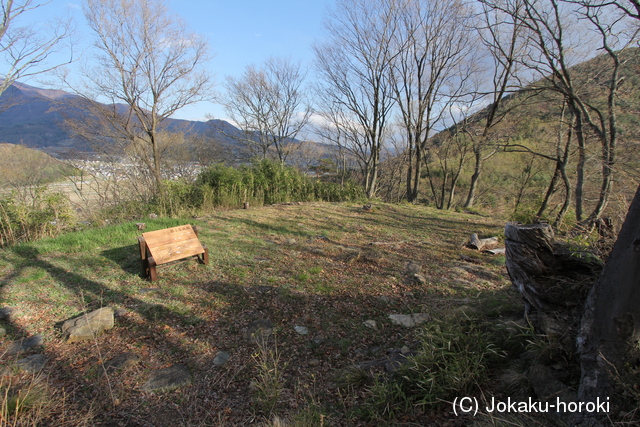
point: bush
(179, 195)
(42, 215)
(266, 182)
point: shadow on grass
(127, 257)
(89, 291)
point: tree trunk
(582, 159)
(611, 322)
(550, 190)
(567, 199)
(417, 171)
(529, 256)
(475, 178)
(410, 195)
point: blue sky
(240, 33)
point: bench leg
(143, 257)
(204, 258)
(145, 268)
(153, 275)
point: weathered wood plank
(167, 245)
(173, 251)
(169, 235)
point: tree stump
(529, 259)
(552, 278)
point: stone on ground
(89, 325)
(25, 344)
(168, 378)
(409, 320)
(32, 364)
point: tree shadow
(94, 293)
(127, 257)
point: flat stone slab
(122, 361)
(221, 358)
(33, 363)
(168, 378)
(25, 344)
(409, 320)
(259, 330)
(89, 325)
(371, 324)
(301, 330)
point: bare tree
(610, 327)
(504, 42)
(26, 50)
(431, 72)
(552, 40)
(355, 93)
(631, 8)
(269, 105)
(146, 67)
(444, 160)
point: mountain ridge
(31, 116)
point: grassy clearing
(327, 267)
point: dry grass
(327, 267)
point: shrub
(266, 182)
(44, 214)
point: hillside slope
(34, 117)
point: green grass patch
(290, 264)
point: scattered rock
(141, 225)
(259, 330)
(349, 256)
(290, 242)
(371, 324)
(9, 313)
(419, 278)
(3, 331)
(33, 363)
(221, 358)
(87, 326)
(411, 268)
(168, 378)
(153, 216)
(371, 255)
(301, 330)
(409, 320)
(25, 344)
(121, 361)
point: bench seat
(168, 245)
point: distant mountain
(31, 116)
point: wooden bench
(168, 245)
